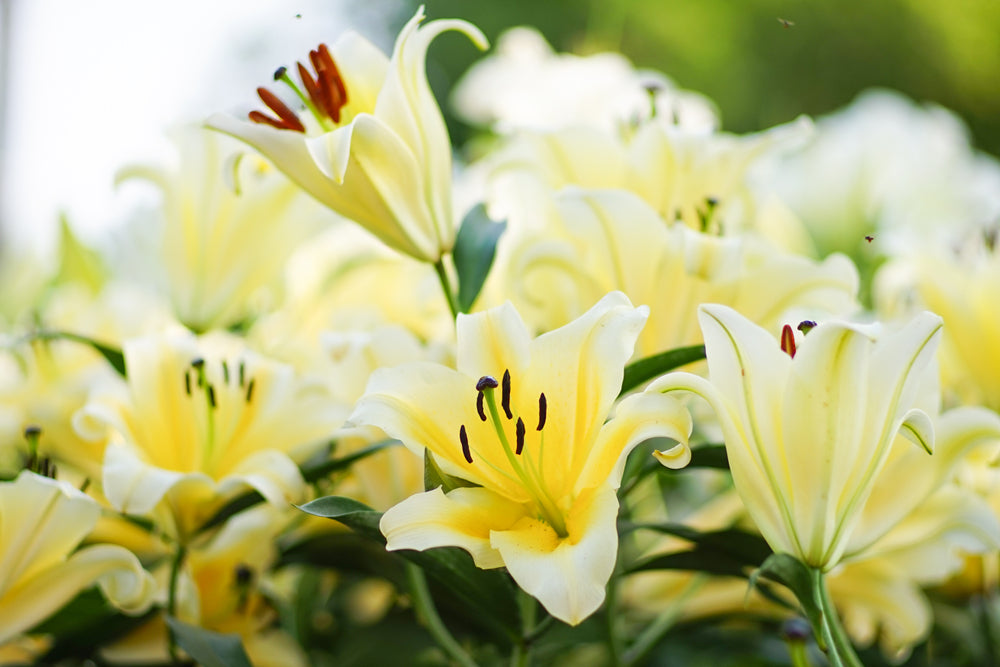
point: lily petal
(567, 576)
(464, 518)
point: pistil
(487, 386)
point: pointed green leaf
(725, 552)
(644, 370)
(435, 477)
(475, 248)
(111, 354)
(209, 649)
(78, 263)
(354, 514)
(795, 576)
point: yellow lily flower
(568, 249)
(201, 420)
(535, 444)
(377, 150)
(808, 431)
(42, 522)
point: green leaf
(487, 595)
(354, 514)
(111, 354)
(316, 472)
(724, 552)
(209, 649)
(705, 456)
(83, 625)
(646, 369)
(78, 263)
(475, 248)
(795, 576)
(435, 477)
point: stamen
(788, 341)
(487, 382)
(289, 121)
(243, 370)
(480, 408)
(279, 73)
(225, 372)
(464, 438)
(211, 396)
(519, 432)
(505, 395)
(250, 389)
(187, 382)
(542, 409)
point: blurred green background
(759, 72)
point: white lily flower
(808, 430)
(42, 522)
(378, 151)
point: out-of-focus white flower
(699, 178)
(376, 149)
(227, 228)
(526, 85)
(887, 168)
(42, 522)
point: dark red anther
(788, 341)
(287, 120)
(519, 432)
(479, 406)
(542, 409)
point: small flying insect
(869, 238)
(785, 22)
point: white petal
(463, 518)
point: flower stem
(175, 570)
(838, 644)
(426, 612)
(446, 287)
(654, 632)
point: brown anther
(505, 394)
(519, 432)
(479, 406)
(287, 120)
(542, 409)
(250, 387)
(327, 90)
(464, 439)
(788, 341)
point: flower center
(325, 94)
(196, 381)
(527, 469)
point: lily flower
(375, 148)
(42, 521)
(543, 462)
(808, 426)
(201, 420)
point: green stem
(611, 618)
(838, 644)
(521, 655)
(175, 570)
(426, 612)
(446, 287)
(798, 654)
(655, 631)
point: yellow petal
(567, 576)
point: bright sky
(93, 85)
